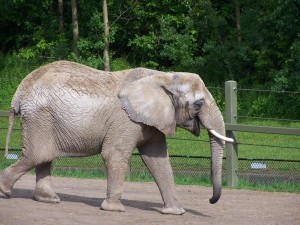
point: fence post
(231, 148)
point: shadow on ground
(96, 202)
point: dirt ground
(81, 198)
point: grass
(254, 146)
(15, 142)
(271, 187)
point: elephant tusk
(215, 133)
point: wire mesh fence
(189, 168)
(269, 171)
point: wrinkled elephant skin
(68, 109)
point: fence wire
(262, 171)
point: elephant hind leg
(11, 174)
(43, 191)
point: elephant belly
(74, 143)
(79, 136)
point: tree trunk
(106, 34)
(75, 26)
(61, 14)
(238, 16)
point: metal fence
(235, 169)
(186, 168)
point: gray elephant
(68, 109)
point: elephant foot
(44, 196)
(112, 206)
(5, 186)
(6, 191)
(173, 210)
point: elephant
(68, 109)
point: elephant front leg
(116, 165)
(155, 156)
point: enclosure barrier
(198, 167)
(231, 127)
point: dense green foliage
(259, 48)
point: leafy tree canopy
(254, 42)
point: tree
(75, 27)
(106, 35)
(60, 14)
(238, 18)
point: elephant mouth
(192, 125)
(196, 126)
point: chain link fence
(185, 168)
(266, 171)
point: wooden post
(231, 148)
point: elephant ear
(147, 101)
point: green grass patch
(79, 173)
(292, 187)
(16, 139)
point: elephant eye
(198, 103)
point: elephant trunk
(216, 146)
(212, 120)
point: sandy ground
(81, 198)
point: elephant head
(166, 100)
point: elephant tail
(10, 127)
